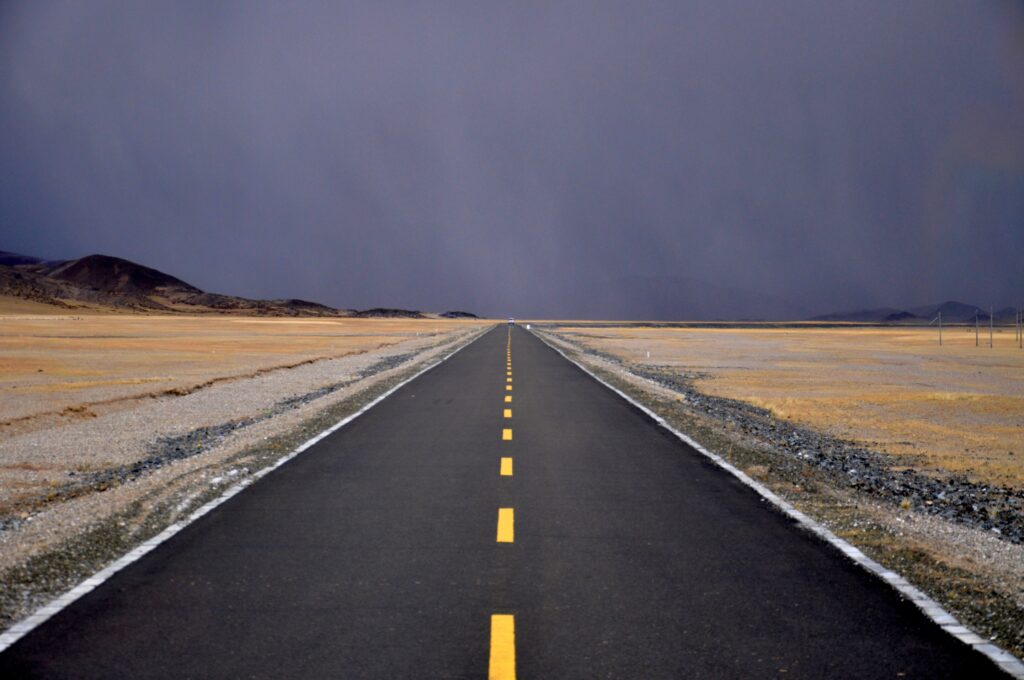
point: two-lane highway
(470, 526)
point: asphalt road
(379, 553)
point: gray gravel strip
(955, 498)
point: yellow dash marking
(508, 388)
(508, 398)
(506, 467)
(508, 413)
(506, 434)
(508, 380)
(509, 374)
(505, 522)
(503, 648)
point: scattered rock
(955, 498)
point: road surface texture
(470, 525)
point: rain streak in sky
(573, 159)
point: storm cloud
(573, 159)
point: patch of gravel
(116, 480)
(204, 439)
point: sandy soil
(68, 364)
(956, 408)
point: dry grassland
(956, 408)
(64, 364)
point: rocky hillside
(101, 281)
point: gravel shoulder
(960, 542)
(81, 494)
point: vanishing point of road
(503, 515)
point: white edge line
(932, 609)
(41, 615)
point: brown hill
(118, 277)
(387, 313)
(105, 282)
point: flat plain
(952, 408)
(67, 364)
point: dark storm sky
(575, 159)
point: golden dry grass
(13, 306)
(57, 363)
(956, 408)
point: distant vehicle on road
(511, 321)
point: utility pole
(1020, 328)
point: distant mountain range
(105, 282)
(952, 312)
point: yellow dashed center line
(502, 663)
(506, 520)
(503, 648)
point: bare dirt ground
(114, 426)
(956, 408)
(865, 430)
(66, 364)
